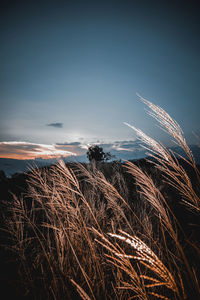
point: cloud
(69, 144)
(131, 146)
(56, 125)
(127, 145)
(26, 150)
(73, 146)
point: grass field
(111, 230)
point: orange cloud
(26, 150)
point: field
(107, 230)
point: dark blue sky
(80, 63)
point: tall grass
(78, 234)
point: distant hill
(12, 166)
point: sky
(70, 71)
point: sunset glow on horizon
(26, 150)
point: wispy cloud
(26, 150)
(76, 147)
(69, 144)
(56, 125)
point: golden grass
(78, 235)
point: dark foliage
(96, 153)
(9, 274)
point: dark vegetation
(12, 280)
(96, 153)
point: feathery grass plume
(141, 284)
(151, 194)
(147, 257)
(166, 160)
(122, 262)
(169, 125)
(115, 203)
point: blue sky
(80, 63)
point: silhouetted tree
(96, 153)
